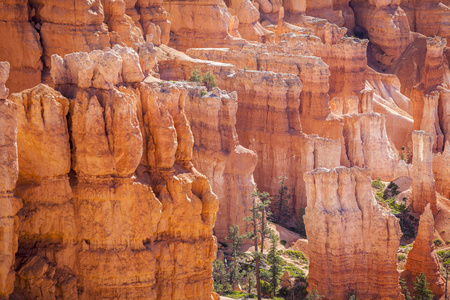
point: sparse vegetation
(378, 184)
(437, 242)
(209, 80)
(195, 76)
(296, 255)
(388, 196)
(421, 290)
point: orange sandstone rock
(135, 219)
(441, 171)
(423, 189)
(423, 258)
(387, 27)
(351, 240)
(218, 154)
(9, 170)
(20, 45)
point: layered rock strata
(422, 258)
(120, 212)
(9, 169)
(345, 252)
(423, 188)
(428, 17)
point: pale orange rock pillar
(351, 240)
(423, 258)
(423, 188)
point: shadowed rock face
(423, 258)
(350, 238)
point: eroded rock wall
(268, 122)
(218, 154)
(120, 211)
(345, 251)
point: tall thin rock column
(423, 188)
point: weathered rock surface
(423, 188)
(218, 154)
(135, 218)
(20, 45)
(351, 240)
(441, 171)
(387, 27)
(9, 171)
(428, 17)
(268, 123)
(423, 258)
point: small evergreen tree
(404, 288)
(421, 290)
(234, 268)
(220, 277)
(283, 212)
(314, 295)
(276, 265)
(195, 76)
(209, 80)
(257, 221)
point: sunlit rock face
(346, 226)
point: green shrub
(294, 271)
(401, 257)
(378, 184)
(266, 289)
(437, 242)
(195, 76)
(209, 80)
(283, 242)
(236, 295)
(203, 93)
(297, 255)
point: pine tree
(405, 290)
(257, 221)
(281, 205)
(421, 290)
(219, 277)
(195, 76)
(314, 295)
(209, 80)
(276, 264)
(235, 274)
